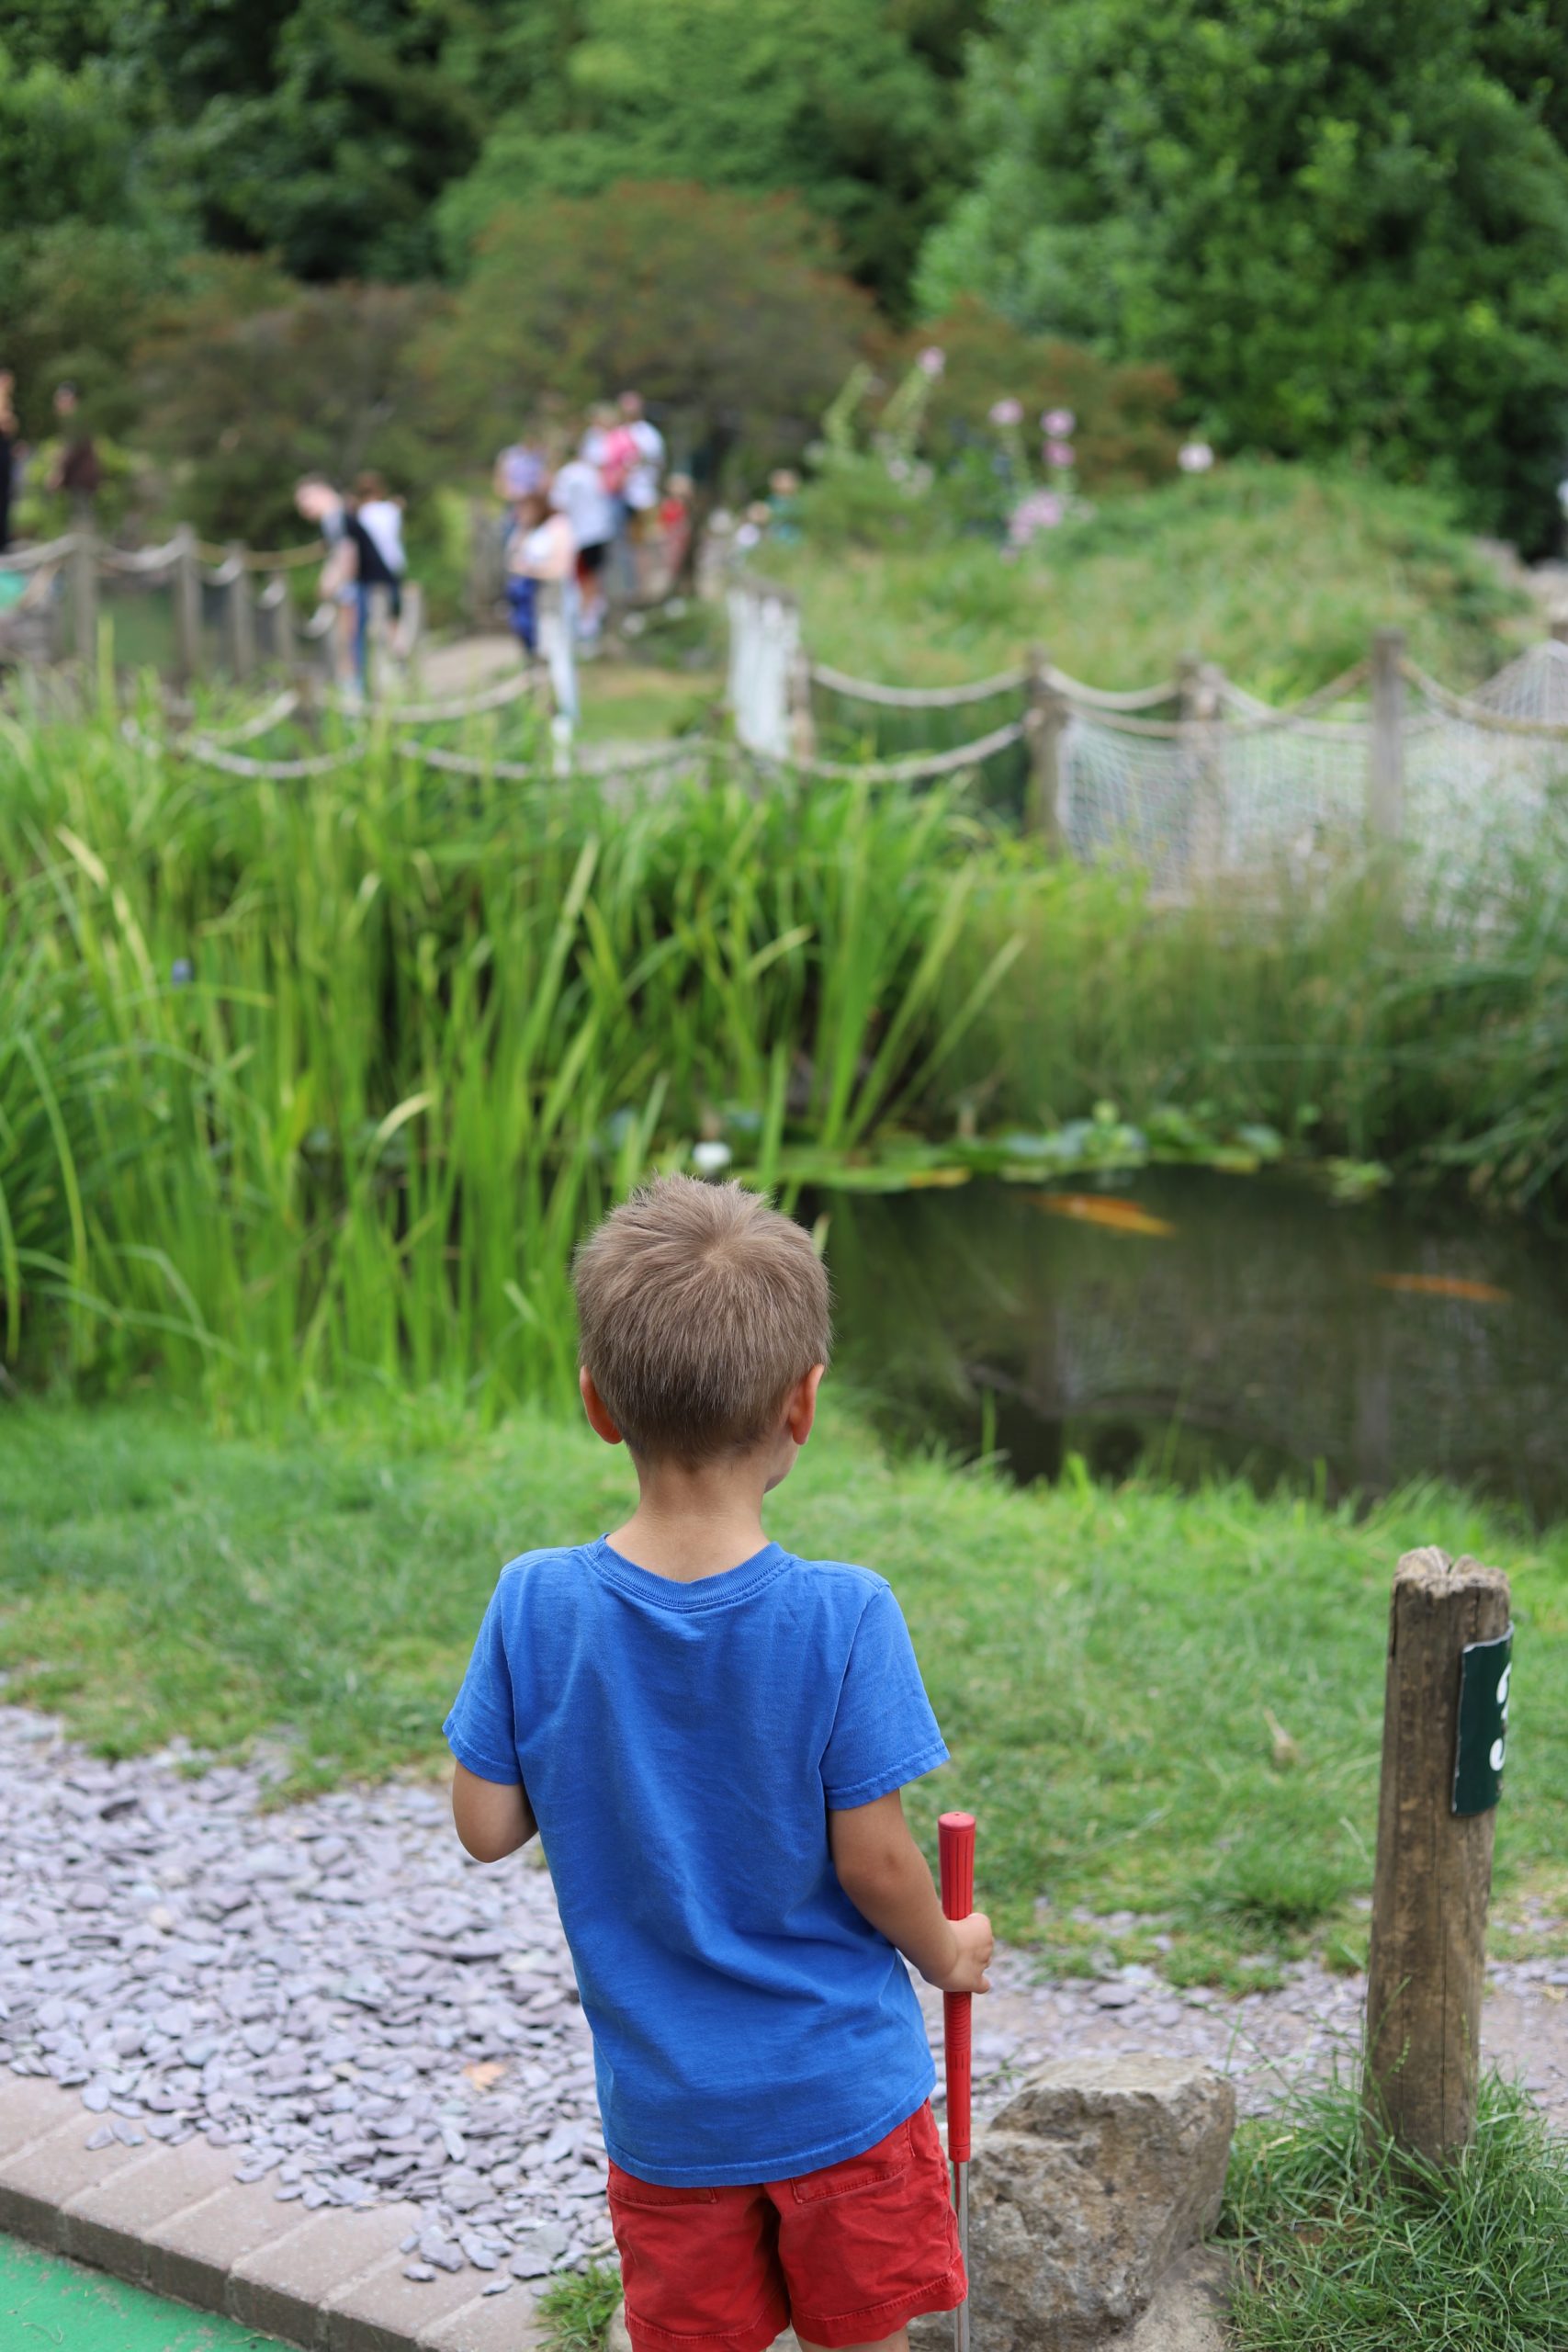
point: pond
(1200, 1324)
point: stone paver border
(175, 2220)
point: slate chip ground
(361, 2018)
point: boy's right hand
(976, 1943)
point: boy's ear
(599, 1419)
(801, 1410)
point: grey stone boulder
(1085, 2191)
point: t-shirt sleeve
(884, 1732)
(479, 1730)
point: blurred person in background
(543, 552)
(676, 528)
(640, 494)
(75, 470)
(320, 505)
(7, 452)
(377, 521)
(521, 469)
(581, 492)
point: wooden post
(85, 595)
(1434, 1866)
(280, 606)
(1044, 722)
(187, 606)
(1559, 631)
(483, 583)
(1200, 686)
(242, 614)
(1385, 770)
(802, 723)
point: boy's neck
(690, 1524)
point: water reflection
(1269, 1332)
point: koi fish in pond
(1444, 1286)
(1103, 1209)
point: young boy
(711, 1735)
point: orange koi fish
(1443, 1286)
(1103, 1209)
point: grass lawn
(1161, 1706)
(1339, 2251)
(1277, 572)
(633, 701)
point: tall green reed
(307, 1084)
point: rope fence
(1193, 777)
(213, 597)
(218, 747)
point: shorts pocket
(653, 2195)
(889, 2160)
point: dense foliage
(1312, 227)
(1343, 223)
(724, 310)
(372, 141)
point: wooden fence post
(242, 614)
(1433, 1863)
(1200, 683)
(187, 606)
(1385, 769)
(802, 722)
(1044, 722)
(85, 595)
(280, 606)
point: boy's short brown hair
(699, 1307)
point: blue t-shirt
(681, 1745)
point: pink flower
(1058, 453)
(932, 360)
(1058, 423)
(1195, 457)
(1040, 510)
(1008, 412)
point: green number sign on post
(1485, 1671)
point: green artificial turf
(1164, 1709)
(45, 2302)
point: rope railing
(922, 765)
(1007, 682)
(494, 697)
(1480, 714)
(47, 551)
(132, 561)
(1105, 698)
(264, 558)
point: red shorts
(845, 2254)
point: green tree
(249, 381)
(849, 103)
(81, 250)
(310, 129)
(1343, 223)
(720, 308)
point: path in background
(46, 2301)
(627, 706)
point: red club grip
(956, 1844)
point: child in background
(676, 527)
(711, 1734)
(380, 520)
(541, 558)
